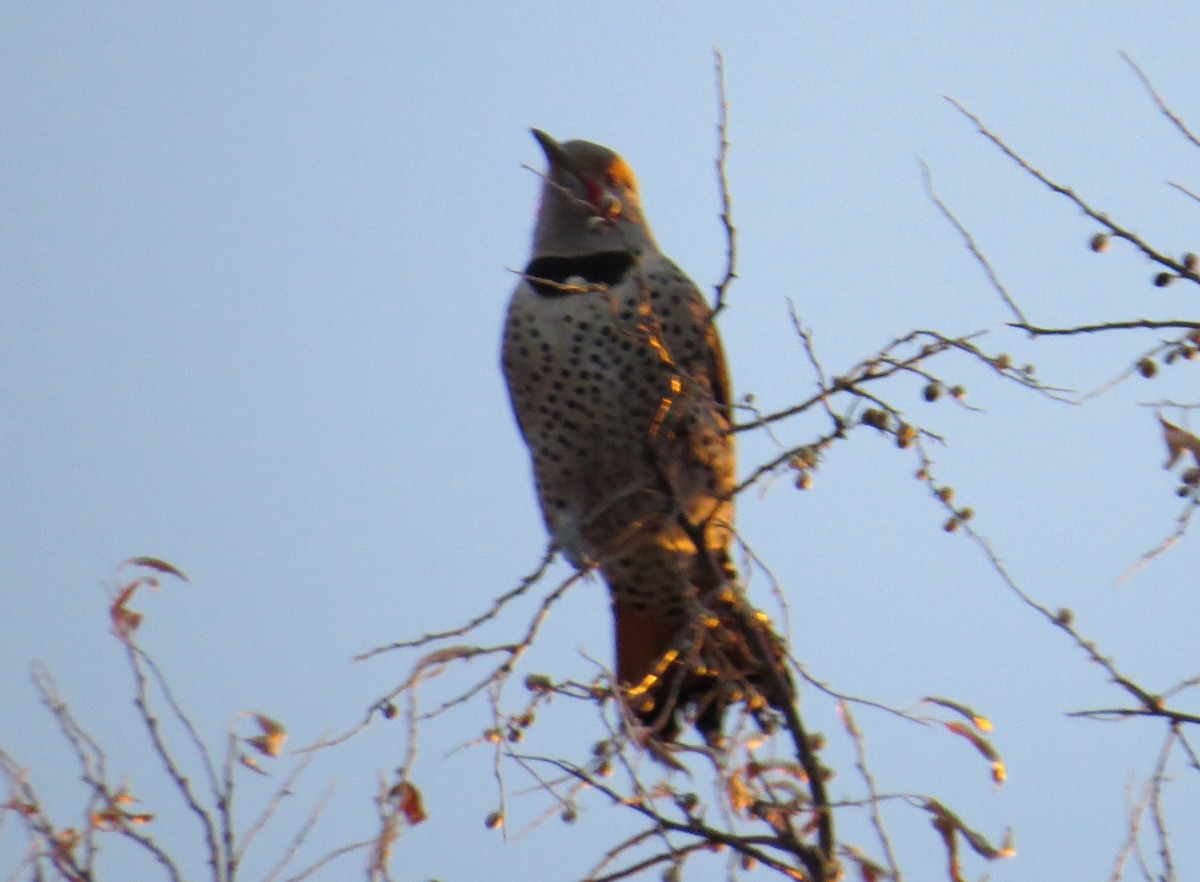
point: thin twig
(723, 183)
(1184, 190)
(864, 771)
(1098, 216)
(1150, 704)
(329, 858)
(490, 613)
(151, 723)
(969, 241)
(1147, 324)
(1181, 527)
(1162, 105)
(301, 834)
(284, 790)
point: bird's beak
(553, 150)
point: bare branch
(208, 823)
(969, 241)
(1162, 105)
(860, 751)
(301, 834)
(1181, 527)
(1101, 218)
(723, 183)
(490, 613)
(1145, 324)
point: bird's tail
(724, 653)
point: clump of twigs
(1177, 344)
(113, 809)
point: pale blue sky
(252, 273)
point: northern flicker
(618, 382)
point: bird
(618, 382)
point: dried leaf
(158, 564)
(869, 870)
(268, 725)
(1178, 443)
(125, 622)
(442, 656)
(22, 808)
(947, 830)
(109, 819)
(268, 745)
(740, 797)
(982, 723)
(274, 736)
(408, 798)
(949, 824)
(999, 775)
(66, 840)
(250, 763)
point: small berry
(688, 802)
(804, 480)
(1163, 279)
(1099, 243)
(951, 525)
(1003, 361)
(1064, 616)
(958, 393)
(1190, 262)
(875, 418)
(493, 820)
(933, 391)
(1147, 368)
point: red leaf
(158, 564)
(408, 798)
(1178, 443)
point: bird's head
(589, 201)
